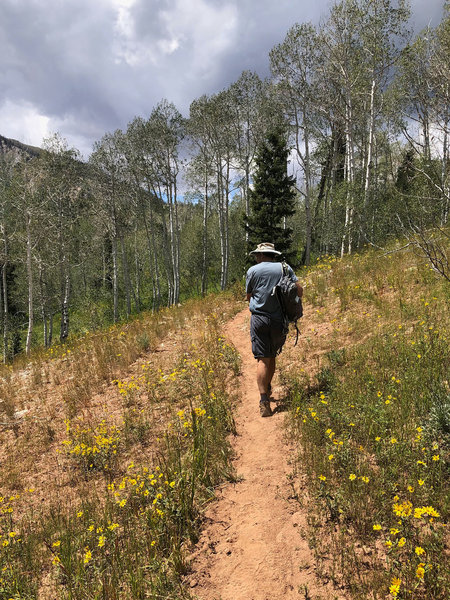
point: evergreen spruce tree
(272, 198)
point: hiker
(268, 328)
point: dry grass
(79, 417)
(371, 417)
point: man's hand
(299, 289)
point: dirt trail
(254, 545)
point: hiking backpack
(286, 293)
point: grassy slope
(124, 438)
(371, 419)
(118, 442)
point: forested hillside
(156, 214)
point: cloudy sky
(86, 67)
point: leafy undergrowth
(371, 421)
(102, 487)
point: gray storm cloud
(84, 68)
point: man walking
(267, 326)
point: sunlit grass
(135, 474)
(373, 425)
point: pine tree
(272, 198)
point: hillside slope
(113, 448)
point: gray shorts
(268, 336)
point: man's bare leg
(264, 374)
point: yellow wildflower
(395, 587)
(420, 571)
(401, 542)
(425, 510)
(403, 510)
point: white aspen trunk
(44, 321)
(347, 234)
(5, 301)
(30, 286)
(204, 283)
(369, 145)
(221, 223)
(155, 262)
(168, 264)
(43, 303)
(104, 264)
(65, 305)
(350, 226)
(177, 243)
(247, 196)
(347, 216)
(307, 169)
(351, 154)
(152, 254)
(426, 136)
(172, 245)
(137, 267)
(444, 176)
(346, 172)
(227, 242)
(115, 280)
(126, 276)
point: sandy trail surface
(254, 544)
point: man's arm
(248, 285)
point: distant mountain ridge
(9, 145)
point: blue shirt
(261, 279)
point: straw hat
(265, 248)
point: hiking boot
(264, 409)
